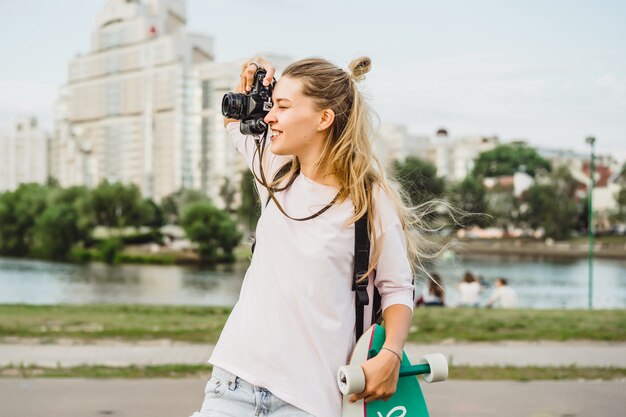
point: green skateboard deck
(408, 401)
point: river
(539, 283)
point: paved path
(180, 398)
(583, 354)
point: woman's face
(294, 120)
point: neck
(317, 174)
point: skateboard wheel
(351, 379)
(438, 367)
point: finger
(269, 68)
(359, 396)
(269, 76)
(249, 75)
(368, 399)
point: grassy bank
(204, 324)
(607, 247)
(491, 373)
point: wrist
(394, 353)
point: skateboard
(408, 401)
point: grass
(123, 322)
(491, 373)
(204, 324)
(481, 325)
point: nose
(270, 117)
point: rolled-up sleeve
(394, 278)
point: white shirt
(293, 325)
(469, 292)
(505, 296)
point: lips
(275, 134)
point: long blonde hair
(347, 154)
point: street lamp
(591, 141)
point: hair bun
(359, 67)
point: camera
(250, 108)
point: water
(539, 283)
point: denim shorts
(227, 395)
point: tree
(78, 198)
(227, 192)
(151, 214)
(552, 206)
(64, 223)
(620, 198)
(116, 205)
(212, 229)
(56, 231)
(418, 178)
(174, 204)
(470, 196)
(508, 159)
(18, 212)
(250, 208)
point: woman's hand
(381, 377)
(249, 69)
(246, 78)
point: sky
(550, 72)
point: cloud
(611, 82)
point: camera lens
(233, 105)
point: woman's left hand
(381, 377)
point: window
(206, 94)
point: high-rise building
(454, 158)
(23, 154)
(392, 142)
(129, 110)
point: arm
(394, 281)
(493, 298)
(383, 371)
(398, 319)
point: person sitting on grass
(503, 295)
(433, 293)
(469, 290)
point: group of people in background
(470, 289)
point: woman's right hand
(246, 78)
(248, 70)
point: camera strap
(361, 243)
(260, 147)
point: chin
(277, 150)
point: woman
(469, 290)
(293, 325)
(433, 294)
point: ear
(326, 120)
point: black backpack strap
(361, 265)
(377, 314)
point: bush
(214, 231)
(109, 250)
(79, 254)
(56, 231)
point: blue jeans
(227, 395)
